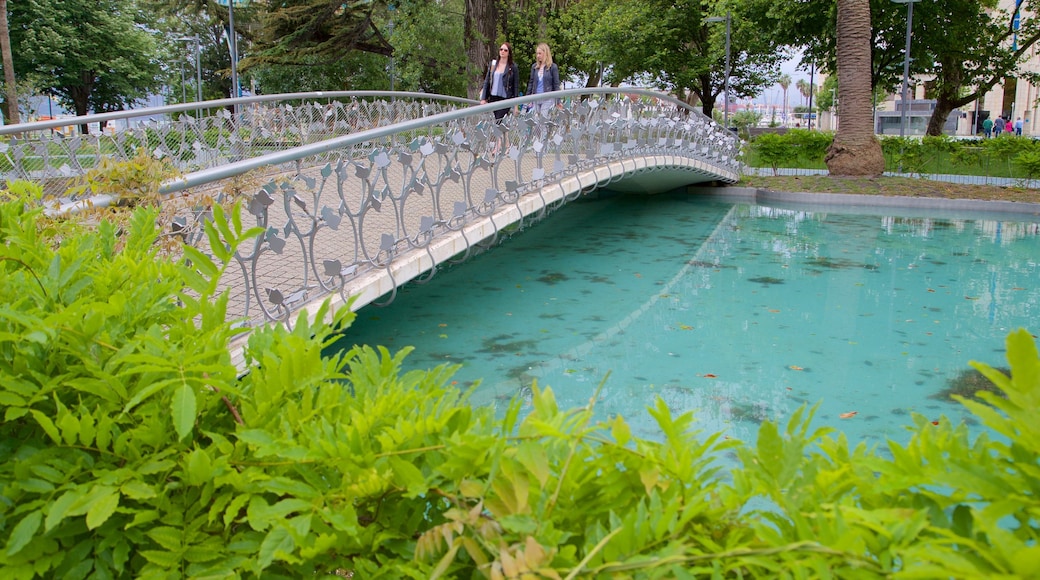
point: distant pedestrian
(987, 127)
(1009, 127)
(1018, 126)
(998, 126)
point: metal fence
(59, 152)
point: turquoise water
(738, 312)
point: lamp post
(233, 44)
(725, 112)
(906, 62)
(198, 68)
(184, 89)
(236, 90)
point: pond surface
(736, 311)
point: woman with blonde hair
(545, 78)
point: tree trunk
(80, 97)
(856, 150)
(8, 60)
(948, 95)
(479, 34)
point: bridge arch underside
(648, 175)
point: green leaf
(167, 560)
(69, 428)
(167, 537)
(101, 510)
(277, 544)
(234, 508)
(145, 392)
(1026, 562)
(23, 533)
(9, 399)
(620, 430)
(143, 517)
(183, 408)
(199, 467)
(60, 506)
(48, 426)
(409, 477)
(533, 457)
(136, 489)
(770, 448)
(256, 437)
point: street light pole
(184, 89)
(233, 45)
(906, 62)
(725, 112)
(198, 70)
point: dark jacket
(552, 82)
(510, 78)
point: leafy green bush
(794, 148)
(772, 149)
(1029, 162)
(132, 447)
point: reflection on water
(738, 312)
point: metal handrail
(303, 151)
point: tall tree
(8, 61)
(855, 150)
(673, 46)
(803, 87)
(480, 31)
(968, 47)
(785, 83)
(91, 54)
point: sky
(774, 95)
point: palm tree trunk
(855, 150)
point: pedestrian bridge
(359, 193)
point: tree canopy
(93, 55)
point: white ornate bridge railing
(354, 185)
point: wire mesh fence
(58, 153)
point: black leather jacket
(510, 79)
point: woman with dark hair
(502, 81)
